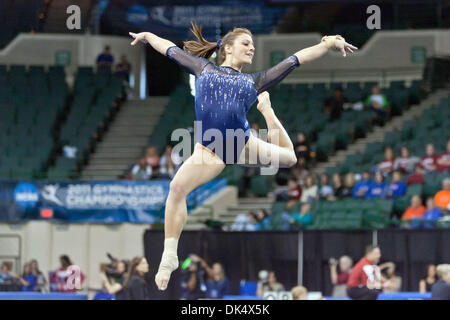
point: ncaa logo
(26, 194)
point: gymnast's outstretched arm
(267, 79)
(192, 64)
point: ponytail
(200, 47)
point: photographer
(192, 279)
(113, 277)
(217, 284)
(339, 278)
(268, 282)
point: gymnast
(223, 97)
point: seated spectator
(441, 289)
(398, 187)
(337, 185)
(310, 190)
(304, 218)
(387, 165)
(377, 188)
(339, 278)
(349, 184)
(378, 103)
(28, 279)
(326, 191)
(294, 193)
(429, 161)
(245, 222)
(361, 188)
(342, 191)
(136, 287)
(430, 216)
(406, 163)
(391, 282)
(430, 278)
(415, 211)
(302, 149)
(123, 68)
(105, 59)
(217, 284)
(59, 279)
(41, 282)
(7, 278)
(268, 284)
(442, 198)
(443, 161)
(141, 170)
(417, 177)
(169, 163)
(300, 173)
(152, 157)
(299, 293)
(262, 219)
(334, 106)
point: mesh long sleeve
(194, 65)
(267, 79)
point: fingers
(343, 52)
(351, 46)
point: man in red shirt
(429, 161)
(443, 162)
(364, 282)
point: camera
(110, 269)
(263, 275)
(332, 262)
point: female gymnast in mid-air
(223, 96)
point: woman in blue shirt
(377, 188)
(28, 279)
(223, 97)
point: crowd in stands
(106, 59)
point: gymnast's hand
(338, 43)
(264, 102)
(138, 37)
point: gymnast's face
(242, 50)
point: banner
(173, 22)
(94, 201)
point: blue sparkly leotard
(223, 98)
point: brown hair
(133, 265)
(203, 48)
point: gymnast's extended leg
(201, 167)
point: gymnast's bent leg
(201, 167)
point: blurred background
(86, 153)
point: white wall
(85, 244)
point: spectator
(441, 289)
(391, 282)
(28, 279)
(302, 149)
(192, 280)
(430, 216)
(245, 222)
(429, 161)
(339, 278)
(169, 162)
(310, 190)
(349, 184)
(294, 193)
(59, 279)
(304, 218)
(415, 211)
(326, 191)
(141, 170)
(105, 59)
(339, 189)
(41, 282)
(387, 165)
(442, 198)
(135, 285)
(334, 106)
(378, 103)
(426, 283)
(8, 279)
(364, 282)
(267, 283)
(398, 187)
(361, 188)
(217, 284)
(417, 177)
(300, 173)
(406, 163)
(299, 293)
(262, 219)
(443, 161)
(152, 157)
(123, 68)
(114, 284)
(377, 188)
